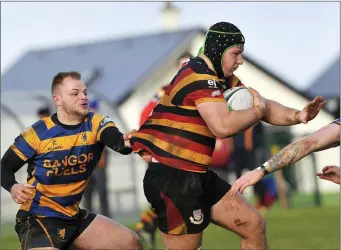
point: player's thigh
(236, 214)
(178, 198)
(182, 242)
(106, 234)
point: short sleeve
(199, 91)
(101, 122)
(26, 144)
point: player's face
(73, 97)
(231, 60)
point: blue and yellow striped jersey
(60, 162)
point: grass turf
(304, 227)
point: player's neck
(67, 119)
(208, 62)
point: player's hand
(311, 110)
(22, 193)
(330, 173)
(248, 179)
(258, 100)
(127, 136)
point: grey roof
(328, 83)
(123, 63)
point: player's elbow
(221, 132)
(222, 125)
(309, 145)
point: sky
(295, 40)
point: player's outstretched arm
(280, 115)
(115, 140)
(326, 137)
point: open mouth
(84, 105)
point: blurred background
(127, 51)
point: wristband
(263, 168)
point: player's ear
(57, 100)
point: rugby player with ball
(179, 139)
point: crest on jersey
(61, 234)
(83, 137)
(216, 93)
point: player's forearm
(280, 115)
(113, 138)
(238, 121)
(289, 155)
(7, 178)
(10, 164)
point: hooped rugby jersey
(60, 162)
(175, 134)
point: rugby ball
(238, 98)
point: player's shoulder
(39, 127)
(95, 117)
(199, 67)
(195, 70)
(99, 119)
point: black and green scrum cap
(219, 38)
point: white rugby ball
(238, 98)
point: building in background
(328, 85)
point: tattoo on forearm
(283, 158)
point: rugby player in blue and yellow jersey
(61, 152)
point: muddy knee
(257, 224)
